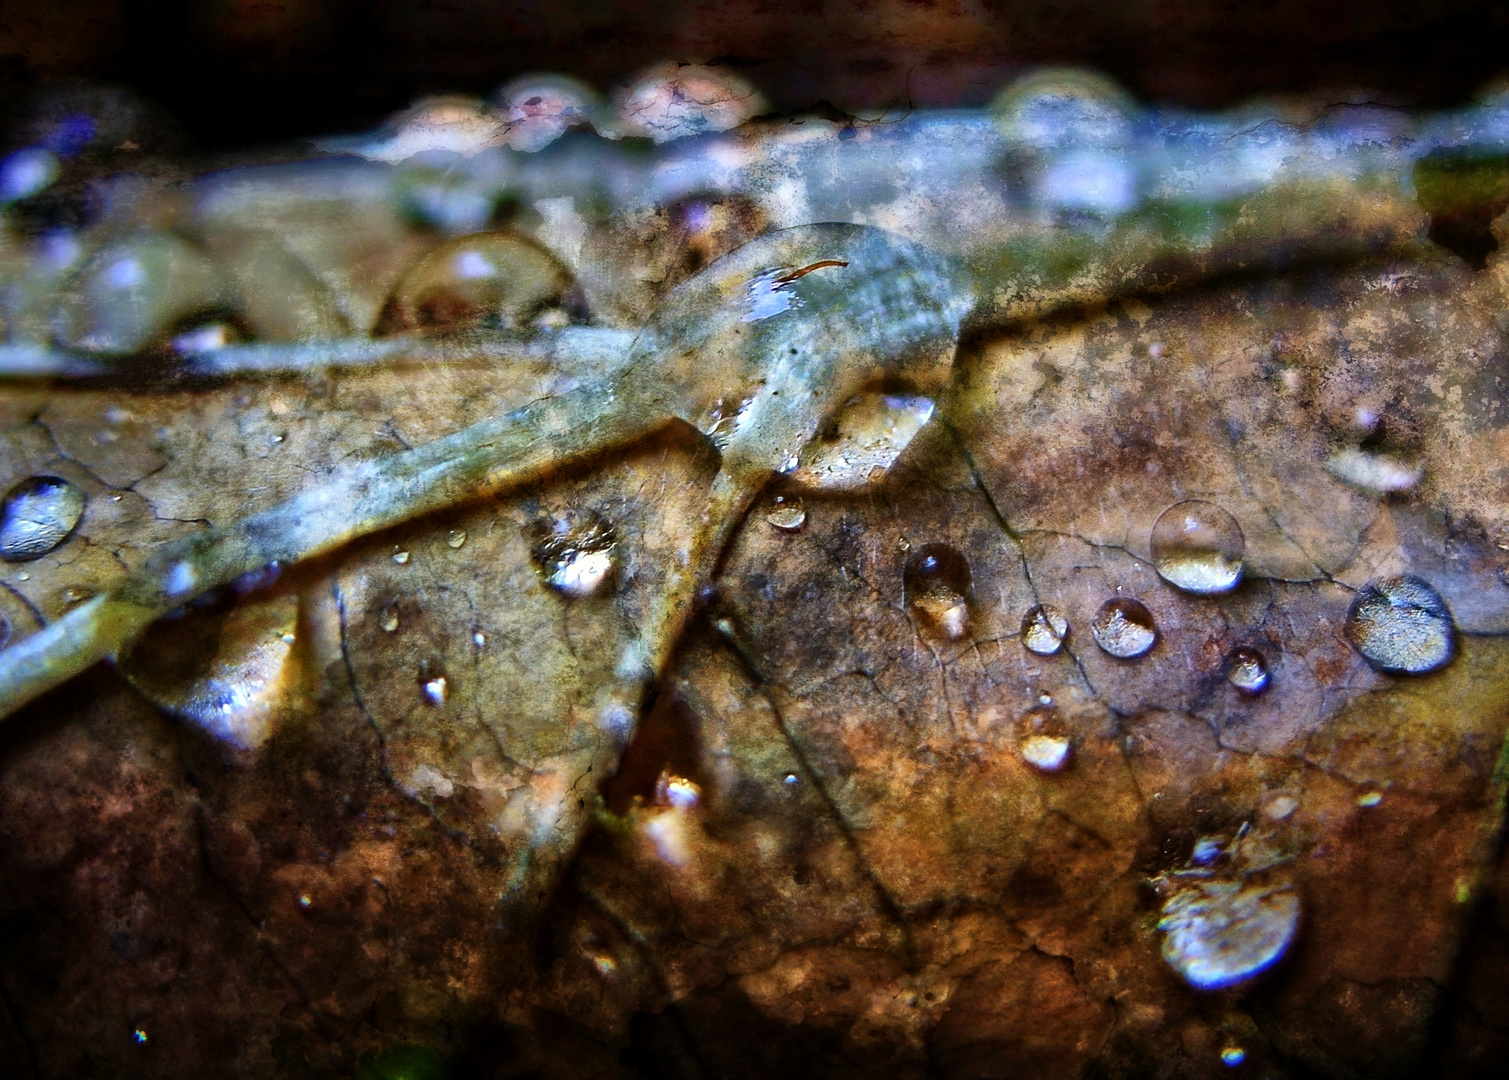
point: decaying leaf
(699, 737)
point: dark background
(238, 72)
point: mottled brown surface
(915, 900)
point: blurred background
(239, 72)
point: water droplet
(387, 618)
(1124, 627)
(25, 173)
(400, 556)
(489, 280)
(1198, 547)
(1374, 473)
(1044, 629)
(479, 639)
(37, 515)
(456, 538)
(787, 513)
(677, 792)
(1233, 1056)
(540, 108)
(1247, 670)
(1050, 753)
(574, 553)
(74, 595)
(1370, 799)
(139, 1036)
(1219, 932)
(790, 779)
(433, 685)
(936, 580)
(1401, 624)
(305, 900)
(673, 100)
(865, 438)
(225, 664)
(138, 292)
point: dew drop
(867, 436)
(936, 580)
(1401, 624)
(787, 513)
(1124, 627)
(1370, 799)
(1219, 932)
(387, 618)
(1232, 1056)
(1247, 670)
(1050, 753)
(1376, 473)
(1198, 547)
(37, 515)
(433, 685)
(574, 553)
(489, 280)
(400, 556)
(456, 538)
(1044, 629)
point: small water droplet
(574, 553)
(1370, 799)
(790, 779)
(305, 900)
(1050, 753)
(1044, 629)
(387, 618)
(37, 515)
(1376, 473)
(74, 595)
(400, 556)
(456, 538)
(787, 513)
(937, 582)
(479, 639)
(1198, 547)
(1247, 670)
(1045, 699)
(139, 1036)
(1233, 1056)
(24, 575)
(1401, 624)
(433, 684)
(1124, 627)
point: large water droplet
(138, 292)
(787, 513)
(936, 580)
(1401, 624)
(37, 515)
(1198, 547)
(387, 618)
(230, 668)
(1218, 932)
(456, 539)
(574, 553)
(1044, 629)
(1247, 670)
(489, 280)
(1124, 627)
